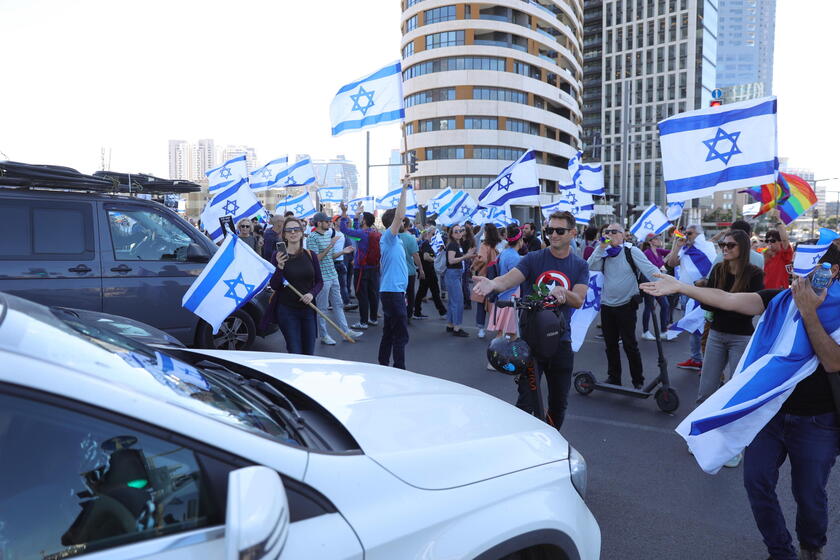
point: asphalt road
(649, 496)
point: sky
(80, 75)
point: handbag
(491, 259)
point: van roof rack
(16, 174)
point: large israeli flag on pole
(587, 178)
(719, 148)
(233, 276)
(807, 257)
(459, 211)
(392, 198)
(297, 174)
(238, 201)
(266, 176)
(652, 221)
(301, 206)
(227, 174)
(778, 356)
(371, 101)
(518, 183)
(435, 204)
(582, 318)
(362, 204)
(579, 203)
(331, 194)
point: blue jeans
(299, 329)
(452, 281)
(812, 444)
(480, 316)
(664, 313)
(394, 329)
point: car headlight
(577, 466)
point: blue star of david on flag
(266, 173)
(225, 172)
(359, 95)
(593, 295)
(299, 209)
(571, 197)
(714, 153)
(465, 211)
(503, 183)
(231, 207)
(290, 180)
(231, 292)
(649, 225)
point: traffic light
(412, 162)
(715, 103)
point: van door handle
(80, 268)
(121, 268)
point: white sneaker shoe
(359, 325)
(355, 334)
(647, 335)
(734, 461)
(481, 333)
(327, 339)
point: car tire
(237, 332)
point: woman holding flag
(779, 404)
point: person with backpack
(624, 267)
(567, 277)
(365, 265)
(429, 279)
(487, 253)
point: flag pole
(367, 164)
(343, 334)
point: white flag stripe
(331, 194)
(233, 276)
(227, 174)
(582, 318)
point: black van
(86, 241)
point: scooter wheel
(584, 382)
(667, 400)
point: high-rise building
(746, 36)
(179, 159)
(661, 55)
(485, 82)
(337, 172)
(203, 159)
(229, 152)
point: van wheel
(237, 332)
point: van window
(31, 229)
(144, 235)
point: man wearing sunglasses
(777, 257)
(621, 265)
(567, 275)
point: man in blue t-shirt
(567, 276)
(392, 286)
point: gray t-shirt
(620, 284)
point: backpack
(491, 271)
(440, 262)
(372, 256)
(542, 329)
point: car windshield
(223, 398)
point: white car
(113, 449)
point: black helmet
(509, 356)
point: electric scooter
(665, 396)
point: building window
(430, 96)
(500, 94)
(409, 128)
(445, 152)
(411, 24)
(526, 69)
(445, 39)
(408, 50)
(497, 152)
(455, 63)
(436, 15)
(456, 182)
(412, 2)
(524, 127)
(484, 123)
(430, 125)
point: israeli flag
(460, 209)
(297, 174)
(696, 260)
(392, 198)
(435, 204)
(238, 201)
(493, 215)
(227, 174)
(362, 204)
(587, 178)
(807, 257)
(371, 101)
(266, 176)
(693, 321)
(517, 183)
(579, 203)
(652, 221)
(778, 356)
(233, 276)
(331, 194)
(561, 205)
(719, 148)
(437, 242)
(674, 210)
(582, 318)
(301, 206)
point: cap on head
(320, 217)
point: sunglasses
(731, 245)
(457, 231)
(558, 230)
(612, 231)
(293, 230)
(689, 233)
(244, 227)
(771, 240)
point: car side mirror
(257, 517)
(197, 253)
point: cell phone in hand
(280, 247)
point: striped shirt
(318, 242)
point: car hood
(430, 433)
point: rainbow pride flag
(800, 197)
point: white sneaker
(359, 325)
(647, 335)
(355, 334)
(734, 461)
(327, 339)
(481, 333)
